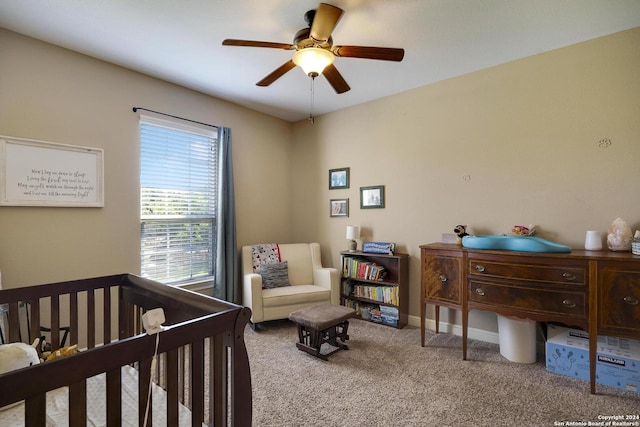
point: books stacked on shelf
(384, 294)
(363, 269)
(386, 315)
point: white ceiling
(180, 41)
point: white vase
(593, 241)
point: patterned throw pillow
(264, 253)
(274, 275)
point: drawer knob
(631, 300)
(480, 291)
(569, 303)
(569, 276)
(480, 268)
(442, 278)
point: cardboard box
(617, 359)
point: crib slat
(35, 411)
(106, 309)
(14, 322)
(182, 374)
(73, 321)
(91, 318)
(114, 398)
(144, 378)
(196, 376)
(172, 387)
(125, 314)
(55, 322)
(78, 403)
(137, 319)
(217, 381)
(34, 316)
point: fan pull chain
(311, 118)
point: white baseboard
(449, 328)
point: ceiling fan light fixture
(313, 60)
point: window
(178, 194)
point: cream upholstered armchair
(281, 278)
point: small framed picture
(338, 178)
(372, 197)
(338, 207)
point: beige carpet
(387, 379)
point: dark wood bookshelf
(392, 289)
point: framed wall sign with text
(39, 173)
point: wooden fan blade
(277, 73)
(369, 52)
(335, 79)
(251, 43)
(324, 21)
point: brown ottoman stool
(322, 324)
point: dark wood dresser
(598, 291)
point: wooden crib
(202, 359)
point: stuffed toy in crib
(14, 356)
(17, 355)
(48, 356)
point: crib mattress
(57, 404)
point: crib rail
(204, 362)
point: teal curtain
(227, 286)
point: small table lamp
(353, 233)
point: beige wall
(526, 133)
(53, 94)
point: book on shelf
(360, 268)
(384, 294)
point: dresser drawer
(619, 300)
(529, 271)
(529, 298)
(442, 278)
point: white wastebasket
(517, 339)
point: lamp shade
(313, 60)
(353, 232)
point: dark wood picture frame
(338, 178)
(372, 197)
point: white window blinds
(178, 193)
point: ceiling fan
(315, 51)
